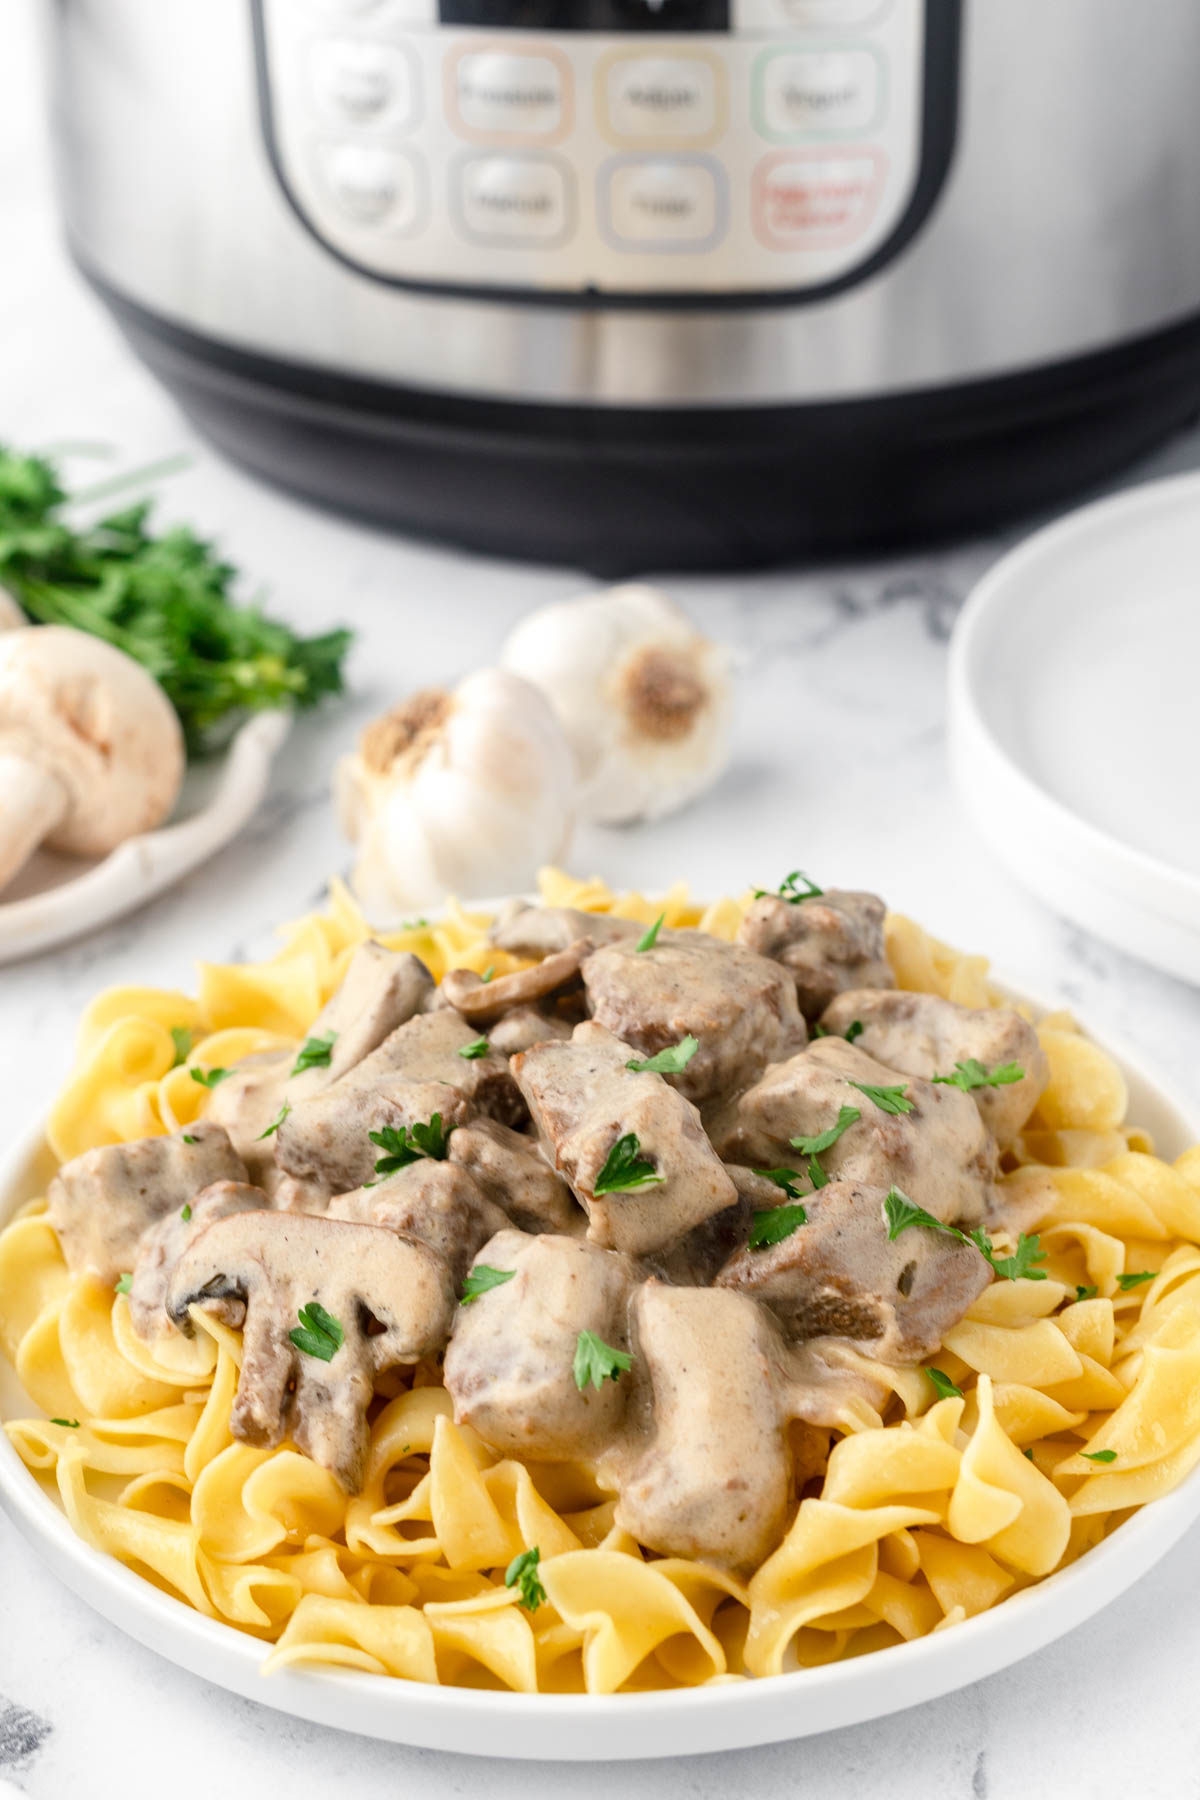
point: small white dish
(56, 898)
(621, 1726)
(1074, 731)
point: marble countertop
(84, 1710)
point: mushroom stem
(32, 803)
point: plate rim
(731, 1716)
(1100, 846)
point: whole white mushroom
(91, 752)
(645, 700)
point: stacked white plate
(1075, 718)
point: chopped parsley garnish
(189, 1137)
(649, 937)
(775, 1224)
(71, 1424)
(181, 1037)
(1100, 1456)
(783, 1178)
(276, 1122)
(1028, 1453)
(888, 1099)
(597, 1362)
(793, 888)
(971, 1074)
(1126, 1282)
(488, 973)
(408, 1143)
(185, 1214)
(318, 1333)
(625, 1167)
(209, 1077)
(825, 1140)
(482, 1279)
(1085, 1293)
(853, 1030)
(124, 1283)
(671, 1061)
(816, 1174)
(900, 1213)
(474, 1050)
(413, 924)
(522, 1572)
(315, 1053)
(943, 1387)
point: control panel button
(499, 94)
(673, 98)
(801, 92)
(373, 186)
(661, 204)
(357, 82)
(514, 200)
(813, 201)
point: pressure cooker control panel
(611, 150)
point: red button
(816, 199)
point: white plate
(56, 898)
(1074, 727)
(610, 1728)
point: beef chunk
(740, 1007)
(713, 1481)
(940, 1153)
(101, 1202)
(924, 1035)
(510, 1364)
(516, 1176)
(162, 1245)
(526, 1026)
(380, 991)
(583, 1100)
(438, 1203)
(538, 931)
(840, 1275)
(831, 942)
(414, 1073)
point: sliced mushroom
(163, 1244)
(390, 1298)
(101, 1202)
(91, 750)
(483, 1002)
(543, 930)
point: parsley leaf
(408, 1143)
(1100, 1456)
(522, 1573)
(189, 1137)
(943, 1387)
(276, 1122)
(671, 1061)
(315, 1053)
(1028, 1452)
(488, 973)
(825, 1140)
(900, 1213)
(816, 1173)
(318, 1333)
(1126, 1282)
(775, 1224)
(209, 1077)
(186, 1213)
(124, 1283)
(888, 1099)
(783, 1178)
(793, 888)
(598, 1362)
(625, 1168)
(1085, 1293)
(71, 1424)
(181, 1037)
(473, 1051)
(481, 1279)
(971, 1074)
(853, 1030)
(649, 937)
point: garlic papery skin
(645, 700)
(465, 793)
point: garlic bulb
(645, 700)
(462, 793)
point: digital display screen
(588, 15)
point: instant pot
(649, 283)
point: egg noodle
(1080, 1396)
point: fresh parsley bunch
(163, 598)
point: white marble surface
(840, 766)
